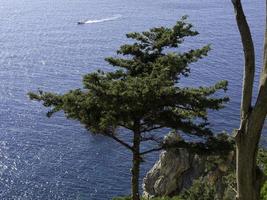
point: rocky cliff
(177, 168)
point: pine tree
(142, 94)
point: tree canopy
(144, 87)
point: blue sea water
(41, 46)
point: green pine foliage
(143, 93)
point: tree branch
(264, 69)
(124, 126)
(260, 109)
(261, 103)
(151, 150)
(249, 56)
(185, 108)
(153, 128)
(120, 141)
(151, 138)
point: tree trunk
(246, 152)
(249, 177)
(136, 166)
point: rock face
(175, 171)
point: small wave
(103, 20)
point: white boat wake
(101, 20)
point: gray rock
(175, 171)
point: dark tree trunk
(249, 177)
(136, 166)
(135, 177)
(246, 168)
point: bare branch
(261, 103)
(264, 70)
(151, 150)
(151, 138)
(153, 128)
(260, 109)
(124, 126)
(233, 188)
(185, 108)
(120, 141)
(249, 55)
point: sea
(42, 47)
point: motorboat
(80, 22)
